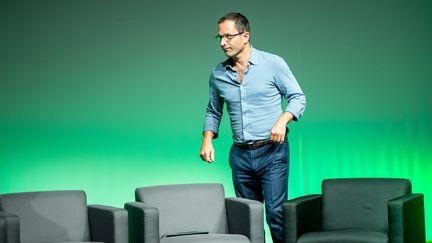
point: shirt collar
(254, 59)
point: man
(252, 84)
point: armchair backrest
(50, 216)
(187, 207)
(360, 203)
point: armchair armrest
(143, 223)
(245, 217)
(301, 215)
(108, 224)
(406, 219)
(2, 230)
(9, 228)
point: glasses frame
(227, 37)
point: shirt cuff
(211, 129)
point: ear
(246, 37)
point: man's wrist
(208, 135)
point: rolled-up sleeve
(214, 110)
(290, 89)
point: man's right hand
(207, 150)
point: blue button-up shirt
(254, 104)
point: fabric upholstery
(207, 238)
(188, 207)
(193, 213)
(301, 215)
(245, 217)
(406, 218)
(53, 216)
(363, 204)
(71, 242)
(9, 227)
(344, 236)
(143, 223)
(2, 230)
(57, 217)
(108, 224)
(360, 210)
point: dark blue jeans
(262, 174)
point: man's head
(233, 33)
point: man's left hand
(277, 134)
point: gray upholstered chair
(193, 213)
(361, 210)
(59, 216)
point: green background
(107, 96)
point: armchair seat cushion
(344, 236)
(207, 238)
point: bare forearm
(285, 118)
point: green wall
(107, 96)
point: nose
(223, 42)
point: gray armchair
(59, 216)
(193, 213)
(361, 210)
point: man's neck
(242, 59)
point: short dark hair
(241, 22)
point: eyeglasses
(227, 37)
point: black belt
(255, 145)
(259, 143)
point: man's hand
(277, 134)
(207, 150)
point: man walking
(252, 84)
